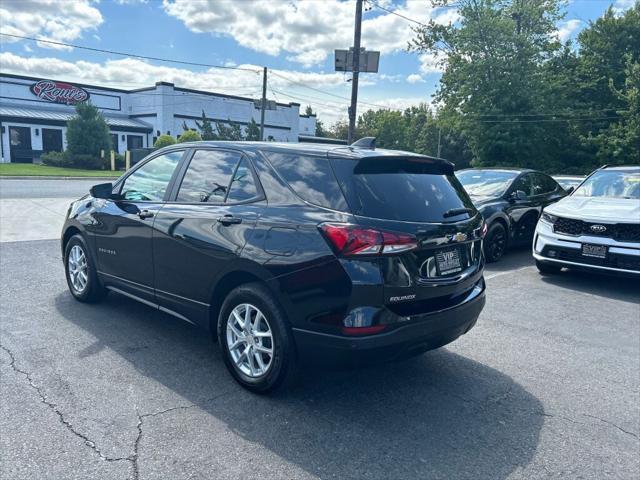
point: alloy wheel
(250, 340)
(78, 269)
(498, 244)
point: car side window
(150, 181)
(523, 183)
(208, 176)
(243, 184)
(311, 178)
(542, 184)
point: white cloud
(429, 63)
(308, 31)
(567, 29)
(415, 78)
(48, 19)
(620, 6)
(131, 73)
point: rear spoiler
(408, 163)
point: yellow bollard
(127, 160)
(113, 160)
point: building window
(51, 140)
(20, 143)
(134, 141)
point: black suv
(511, 201)
(288, 253)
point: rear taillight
(481, 231)
(347, 240)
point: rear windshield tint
(399, 188)
(311, 178)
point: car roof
(343, 151)
(624, 168)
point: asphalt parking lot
(547, 385)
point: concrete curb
(51, 177)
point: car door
(521, 210)
(123, 227)
(202, 230)
(546, 190)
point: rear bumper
(411, 336)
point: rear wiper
(456, 211)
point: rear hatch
(421, 201)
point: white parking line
(506, 272)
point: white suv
(596, 227)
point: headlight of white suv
(548, 218)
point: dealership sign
(59, 92)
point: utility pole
(356, 68)
(264, 103)
(439, 133)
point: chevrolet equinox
(290, 254)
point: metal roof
(18, 111)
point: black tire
(495, 242)
(547, 268)
(283, 366)
(93, 291)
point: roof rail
(365, 142)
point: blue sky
(294, 38)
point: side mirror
(570, 189)
(518, 195)
(103, 190)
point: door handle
(229, 220)
(143, 214)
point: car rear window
(401, 188)
(311, 178)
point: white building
(34, 112)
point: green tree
(164, 141)
(620, 142)
(253, 131)
(228, 131)
(87, 132)
(206, 128)
(189, 136)
(493, 85)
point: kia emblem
(598, 228)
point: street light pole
(264, 103)
(356, 68)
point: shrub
(55, 159)
(86, 161)
(164, 141)
(189, 136)
(87, 133)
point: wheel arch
(69, 232)
(246, 273)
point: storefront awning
(48, 116)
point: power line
(273, 72)
(182, 62)
(133, 55)
(393, 12)
(576, 119)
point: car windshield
(611, 184)
(486, 183)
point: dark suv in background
(511, 201)
(288, 252)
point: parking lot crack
(142, 417)
(635, 435)
(60, 415)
